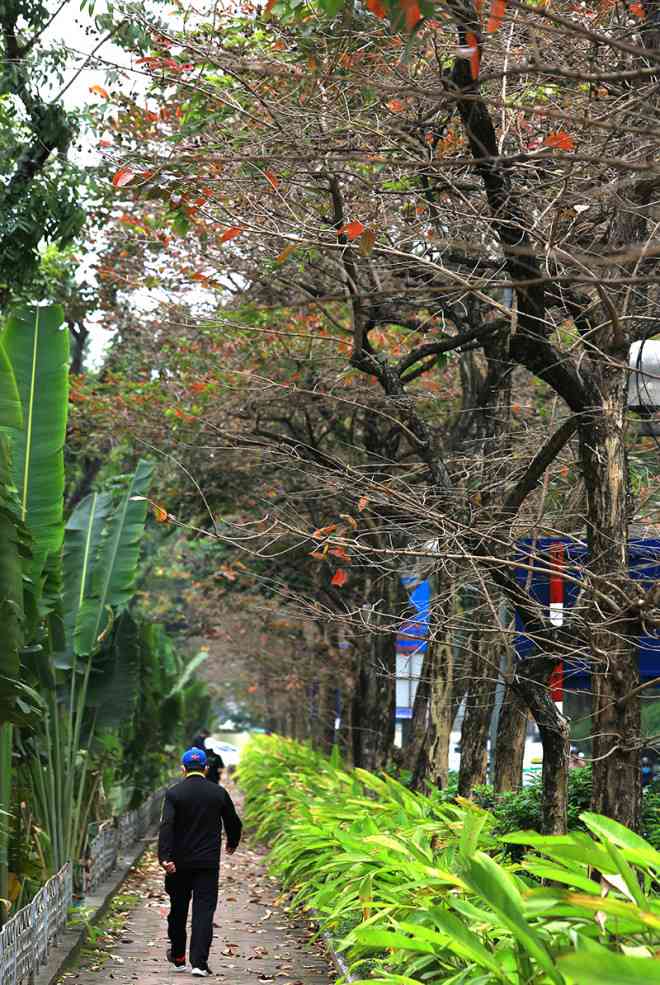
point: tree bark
(613, 630)
(479, 709)
(510, 743)
(531, 682)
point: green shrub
(416, 889)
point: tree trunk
(414, 754)
(531, 682)
(479, 705)
(613, 631)
(510, 743)
(441, 687)
(325, 732)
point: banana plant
(101, 551)
(36, 343)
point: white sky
(69, 28)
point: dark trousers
(202, 885)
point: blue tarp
(644, 566)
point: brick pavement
(256, 942)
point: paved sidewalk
(255, 941)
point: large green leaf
(11, 410)
(607, 968)
(12, 616)
(497, 888)
(188, 671)
(113, 577)
(82, 538)
(114, 685)
(37, 346)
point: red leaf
(473, 53)
(269, 6)
(395, 106)
(324, 531)
(230, 233)
(377, 7)
(272, 179)
(637, 10)
(340, 552)
(352, 229)
(123, 177)
(99, 91)
(339, 578)
(497, 11)
(560, 139)
(411, 12)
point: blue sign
(644, 563)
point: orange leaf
(411, 12)
(637, 10)
(272, 179)
(475, 57)
(560, 139)
(497, 11)
(99, 91)
(395, 106)
(324, 531)
(362, 503)
(123, 177)
(269, 6)
(339, 578)
(377, 7)
(230, 233)
(367, 242)
(286, 253)
(340, 552)
(352, 229)
(160, 514)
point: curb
(70, 942)
(337, 959)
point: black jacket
(194, 813)
(214, 760)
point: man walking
(194, 814)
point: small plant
(416, 889)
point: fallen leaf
(395, 106)
(339, 578)
(352, 229)
(123, 177)
(272, 179)
(324, 531)
(560, 139)
(230, 233)
(286, 253)
(367, 242)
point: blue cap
(194, 758)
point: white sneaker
(200, 972)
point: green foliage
(414, 889)
(113, 575)
(523, 810)
(38, 349)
